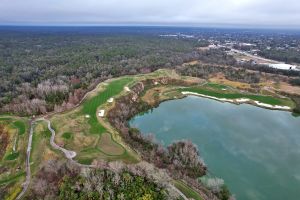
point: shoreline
(240, 101)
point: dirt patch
(285, 87)
(4, 140)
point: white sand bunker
(101, 113)
(127, 89)
(110, 100)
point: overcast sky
(271, 13)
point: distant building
(284, 66)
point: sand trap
(101, 113)
(242, 100)
(110, 100)
(210, 97)
(271, 106)
(127, 89)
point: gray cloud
(158, 12)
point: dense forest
(46, 70)
(59, 179)
(40, 72)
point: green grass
(85, 161)
(67, 135)
(12, 156)
(216, 86)
(20, 126)
(46, 133)
(186, 190)
(90, 105)
(230, 95)
(5, 119)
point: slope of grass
(216, 86)
(109, 147)
(186, 190)
(21, 126)
(89, 106)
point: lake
(256, 151)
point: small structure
(87, 116)
(155, 83)
(127, 89)
(110, 100)
(101, 113)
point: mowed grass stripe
(90, 105)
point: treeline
(285, 55)
(67, 65)
(65, 180)
(295, 81)
(205, 71)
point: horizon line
(212, 26)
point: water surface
(255, 150)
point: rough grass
(186, 190)
(108, 146)
(86, 161)
(231, 95)
(41, 149)
(89, 106)
(12, 178)
(13, 163)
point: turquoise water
(255, 150)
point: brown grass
(108, 146)
(220, 79)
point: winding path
(69, 154)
